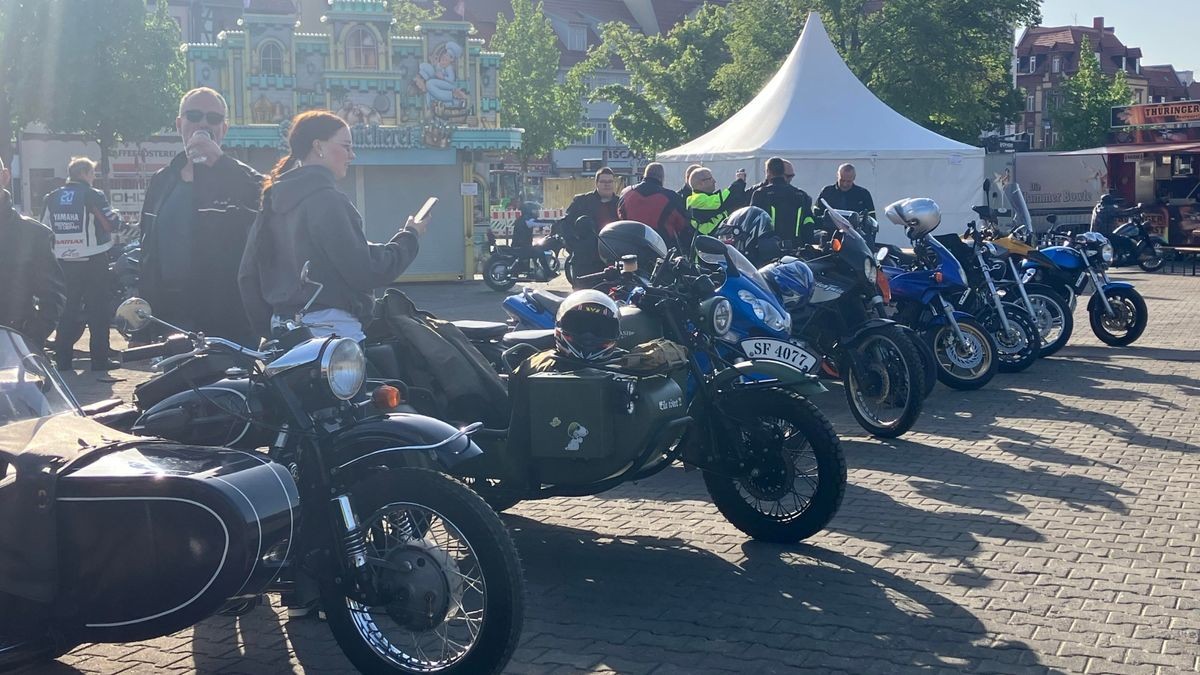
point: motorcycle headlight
(869, 269)
(717, 315)
(765, 311)
(1106, 253)
(344, 368)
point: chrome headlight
(1106, 253)
(344, 367)
(765, 311)
(722, 317)
(869, 269)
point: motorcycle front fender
(399, 440)
(774, 373)
(866, 326)
(1096, 304)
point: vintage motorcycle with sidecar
(107, 536)
(770, 460)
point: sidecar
(108, 537)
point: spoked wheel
(1052, 315)
(884, 382)
(966, 364)
(796, 473)
(1154, 259)
(1128, 321)
(1019, 346)
(497, 272)
(443, 589)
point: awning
(1190, 146)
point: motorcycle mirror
(133, 315)
(305, 278)
(987, 184)
(882, 254)
(708, 245)
(305, 270)
(1052, 219)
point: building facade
(422, 106)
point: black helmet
(588, 326)
(629, 237)
(745, 229)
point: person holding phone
(306, 218)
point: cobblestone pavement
(1048, 523)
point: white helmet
(918, 216)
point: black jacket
(856, 199)
(583, 243)
(306, 218)
(790, 208)
(32, 290)
(226, 198)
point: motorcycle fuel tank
(1064, 257)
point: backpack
(434, 355)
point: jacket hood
(296, 185)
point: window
(1056, 64)
(362, 49)
(577, 37)
(1138, 95)
(1033, 64)
(270, 59)
(1030, 101)
(601, 135)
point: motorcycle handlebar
(606, 274)
(143, 353)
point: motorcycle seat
(548, 301)
(481, 330)
(540, 339)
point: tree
(111, 70)
(944, 64)
(410, 13)
(670, 95)
(531, 95)
(1083, 118)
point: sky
(1166, 30)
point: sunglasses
(213, 118)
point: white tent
(815, 113)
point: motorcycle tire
(1157, 258)
(928, 361)
(492, 492)
(902, 376)
(497, 272)
(377, 500)
(750, 514)
(1053, 317)
(1130, 306)
(569, 270)
(1017, 351)
(941, 340)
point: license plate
(778, 350)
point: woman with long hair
(305, 218)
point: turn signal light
(836, 245)
(885, 287)
(938, 277)
(386, 397)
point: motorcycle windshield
(747, 269)
(30, 388)
(1016, 199)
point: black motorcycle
(415, 573)
(508, 265)
(1131, 241)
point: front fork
(1099, 281)
(948, 311)
(999, 306)
(1021, 287)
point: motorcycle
(415, 573)
(840, 315)
(1051, 312)
(963, 347)
(771, 462)
(1131, 241)
(1018, 339)
(1117, 312)
(508, 265)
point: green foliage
(531, 96)
(670, 97)
(409, 14)
(945, 64)
(1088, 96)
(112, 70)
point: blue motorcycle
(964, 350)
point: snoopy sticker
(577, 432)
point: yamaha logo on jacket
(81, 219)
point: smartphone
(425, 209)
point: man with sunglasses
(790, 207)
(195, 220)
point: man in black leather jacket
(195, 220)
(32, 289)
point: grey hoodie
(306, 218)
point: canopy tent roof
(815, 105)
